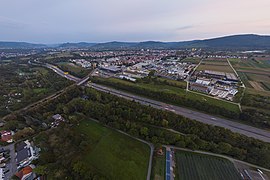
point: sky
(58, 21)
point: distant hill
(20, 45)
(77, 45)
(152, 45)
(236, 41)
(247, 41)
(115, 45)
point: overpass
(62, 73)
(82, 81)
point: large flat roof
(214, 72)
(231, 76)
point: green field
(234, 61)
(203, 167)
(58, 55)
(258, 77)
(215, 65)
(180, 84)
(191, 60)
(113, 154)
(254, 70)
(73, 69)
(158, 167)
(251, 63)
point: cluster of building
(12, 98)
(173, 69)
(16, 54)
(218, 84)
(126, 53)
(102, 54)
(57, 119)
(16, 160)
(227, 56)
(163, 66)
(81, 62)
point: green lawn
(113, 154)
(234, 60)
(71, 67)
(181, 84)
(203, 167)
(252, 63)
(40, 90)
(191, 60)
(215, 66)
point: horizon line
(76, 42)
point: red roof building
(24, 173)
(6, 136)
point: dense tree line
(256, 117)
(257, 100)
(61, 155)
(161, 81)
(256, 110)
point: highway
(191, 114)
(62, 73)
(240, 128)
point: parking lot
(170, 164)
(11, 166)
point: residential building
(26, 173)
(25, 153)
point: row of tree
(256, 110)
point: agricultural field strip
(221, 156)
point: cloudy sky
(55, 21)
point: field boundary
(219, 155)
(243, 85)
